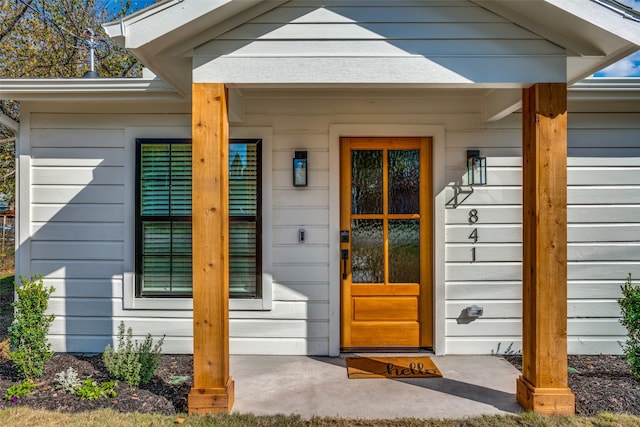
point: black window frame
(140, 219)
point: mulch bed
(600, 383)
(165, 394)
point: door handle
(345, 257)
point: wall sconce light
(300, 169)
(476, 168)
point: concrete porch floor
(310, 385)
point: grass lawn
(19, 417)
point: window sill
(238, 304)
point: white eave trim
(184, 17)
(9, 122)
(117, 29)
(606, 88)
(74, 89)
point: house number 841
(473, 218)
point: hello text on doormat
(392, 367)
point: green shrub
(630, 306)
(30, 349)
(149, 357)
(133, 363)
(91, 390)
(19, 390)
(123, 363)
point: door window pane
(404, 181)
(404, 251)
(366, 182)
(367, 258)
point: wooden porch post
(543, 385)
(213, 388)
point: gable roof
(593, 33)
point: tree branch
(10, 24)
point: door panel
(383, 334)
(385, 308)
(386, 262)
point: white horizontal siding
(401, 47)
(80, 216)
(78, 213)
(78, 197)
(603, 234)
(82, 194)
(382, 31)
(512, 327)
(315, 216)
(360, 42)
(576, 289)
(86, 288)
(306, 291)
(350, 11)
(57, 250)
(587, 308)
(77, 156)
(100, 175)
(577, 252)
(73, 231)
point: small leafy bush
(91, 390)
(30, 349)
(133, 363)
(19, 390)
(630, 306)
(149, 357)
(123, 363)
(68, 380)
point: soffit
(596, 33)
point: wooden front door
(386, 242)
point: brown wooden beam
(213, 388)
(543, 385)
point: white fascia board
(9, 122)
(170, 22)
(606, 88)
(74, 89)
(603, 15)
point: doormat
(392, 367)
